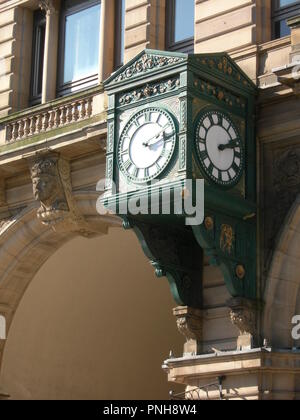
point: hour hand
(231, 145)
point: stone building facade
(53, 141)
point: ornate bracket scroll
(51, 180)
(230, 244)
(175, 254)
(189, 324)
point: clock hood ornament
(175, 118)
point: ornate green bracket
(175, 254)
(230, 245)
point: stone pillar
(107, 25)
(189, 324)
(51, 8)
(144, 26)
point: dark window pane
(184, 20)
(119, 33)
(81, 53)
(38, 45)
(284, 3)
(281, 29)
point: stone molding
(48, 6)
(51, 180)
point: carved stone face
(44, 187)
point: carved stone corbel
(243, 314)
(189, 324)
(48, 6)
(51, 180)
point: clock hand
(231, 145)
(146, 144)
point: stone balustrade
(49, 119)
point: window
(283, 10)
(120, 33)
(180, 22)
(38, 46)
(79, 45)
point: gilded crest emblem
(226, 238)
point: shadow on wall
(95, 323)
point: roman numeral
(158, 168)
(235, 167)
(127, 164)
(136, 172)
(210, 167)
(148, 116)
(146, 173)
(203, 155)
(237, 154)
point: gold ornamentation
(240, 272)
(209, 223)
(226, 239)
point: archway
(282, 295)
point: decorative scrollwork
(147, 63)
(149, 90)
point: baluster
(82, 109)
(89, 109)
(69, 115)
(32, 126)
(9, 128)
(45, 121)
(15, 131)
(39, 123)
(75, 112)
(57, 117)
(51, 118)
(20, 129)
(27, 127)
(62, 119)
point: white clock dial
(146, 145)
(219, 148)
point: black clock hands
(231, 145)
(147, 143)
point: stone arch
(26, 244)
(282, 294)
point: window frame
(37, 57)
(280, 14)
(119, 33)
(186, 45)
(64, 89)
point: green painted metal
(187, 86)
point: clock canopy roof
(149, 65)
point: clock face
(220, 149)
(146, 145)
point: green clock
(146, 145)
(219, 147)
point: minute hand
(147, 143)
(231, 145)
